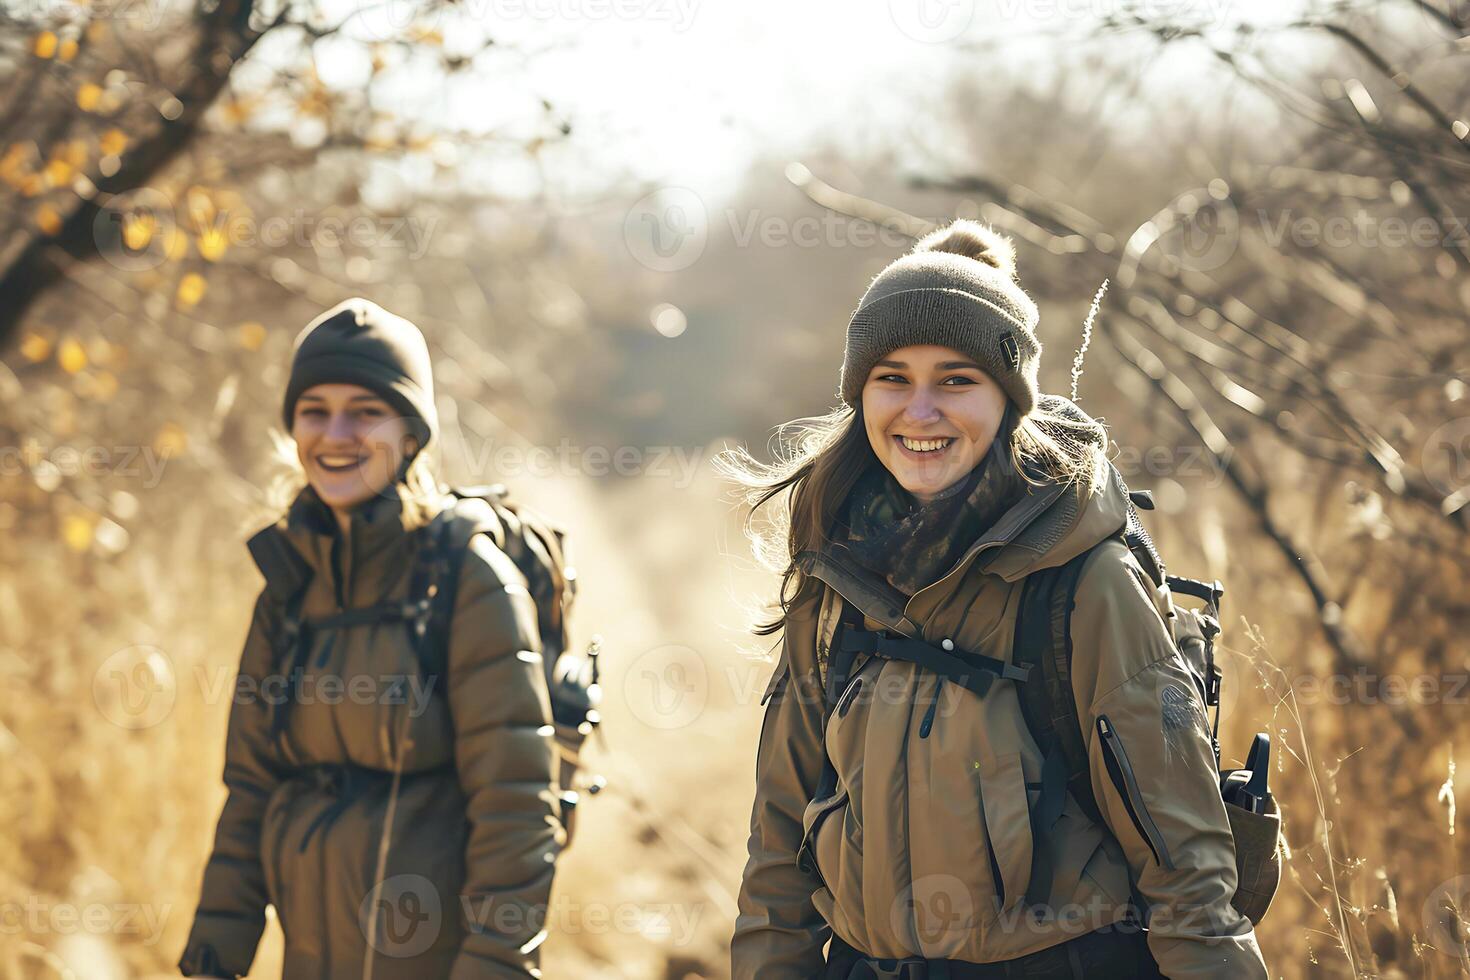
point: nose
(921, 408)
(340, 428)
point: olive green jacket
(474, 833)
(926, 847)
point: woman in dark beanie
(903, 809)
(402, 824)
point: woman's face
(349, 441)
(931, 414)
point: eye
(371, 412)
(959, 379)
(894, 378)
(311, 412)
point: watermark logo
(937, 909)
(1447, 917)
(667, 230)
(1200, 230)
(667, 687)
(402, 916)
(134, 230)
(136, 687)
(1446, 459)
(932, 21)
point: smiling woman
(888, 834)
(435, 781)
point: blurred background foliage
(646, 230)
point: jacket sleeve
(505, 756)
(779, 935)
(1153, 773)
(232, 900)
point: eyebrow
(945, 366)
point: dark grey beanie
(359, 342)
(957, 288)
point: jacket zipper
(1121, 772)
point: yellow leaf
(113, 143)
(48, 220)
(68, 49)
(252, 335)
(35, 348)
(58, 172)
(171, 441)
(45, 45)
(88, 96)
(212, 244)
(137, 230)
(71, 356)
(76, 531)
(191, 290)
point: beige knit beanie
(957, 288)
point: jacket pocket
(818, 812)
(1120, 771)
(1007, 815)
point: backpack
(1041, 670)
(1043, 647)
(537, 549)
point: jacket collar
(376, 548)
(1045, 528)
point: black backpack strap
(973, 671)
(434, 585)
(286, 577)
(1043, 643)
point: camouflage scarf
(912, 544)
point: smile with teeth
(337, 463)
(925, 445)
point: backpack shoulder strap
(436, 574)
(1043, 642)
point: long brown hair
(795, 500)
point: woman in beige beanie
(908, 820)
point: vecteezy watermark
(937, 909)
(671, 923)
(402, 916)
(138, 686)
(667, 687)
(1446, 456)
(135, 688)
(666, 230)
(1367, 687)
(1199, 230)
(141, 229)
(1183, 463)
(303, 687)
(932, 21)
(415, 20)
(145, 14)
(1447, 917)
(826, 230)
(1362, 229)
(492, 461)
(67, 460)
(34, 917)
